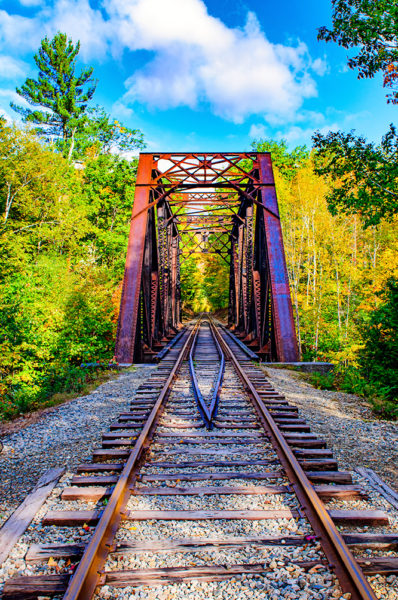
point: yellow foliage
(335, 265)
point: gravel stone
(64, 436)
(346, 422)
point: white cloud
(75, 17)
(258, 131)
(312, 116)
(197, 59)
(19, 33)
(32, 2)
(79, 20)
(11, 95)
(5, 115)
(8, 95)
(358, 116)
(121, 110)
(12, 68)
(320, 66)
(295, 135)
(238, 72)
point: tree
(364, 176)
(109, 183)
(102, 135)
(287, 162)
(35, 191)
(379, 360)
(373, 26)
(58, 90)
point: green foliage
(63, 233)
(323, 381)
(379, 358)
(376, 375)
(288, 162)
(364, 176)
(348, 379)
(36, 192)
(352, 380)
(338, 268)
(62, 250)
(373, 27)
(58, 90)
(108, 190)
(99, 134)
(204, 276)
(192, 292)
(216, 282)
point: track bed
(246, 503)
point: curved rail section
(87, 575)
(208, 413)
(350, 575)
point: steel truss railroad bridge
(196, 203)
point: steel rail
(169, 346)
(88, 574)
(208, 413)
(242, 346)
(348, 572)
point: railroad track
(211, 479)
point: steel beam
(129, 304)
(242, 185)
(285, 333)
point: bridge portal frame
(175, 189)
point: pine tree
(58, 90)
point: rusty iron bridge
(220, 203)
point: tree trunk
(72, 143)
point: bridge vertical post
(174, 276)
(129, 305)
(285, 332)
(233, 301)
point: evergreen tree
(58, 90)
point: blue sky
(202, 75)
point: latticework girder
(201, 203)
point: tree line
(66, 191)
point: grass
(55, 390)
(88, 387)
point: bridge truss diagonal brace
(285, 334)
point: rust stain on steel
(247, 236)
(285, 332)
(132, 276)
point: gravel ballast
(62, 437)
(67, 435)
(347, 424)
